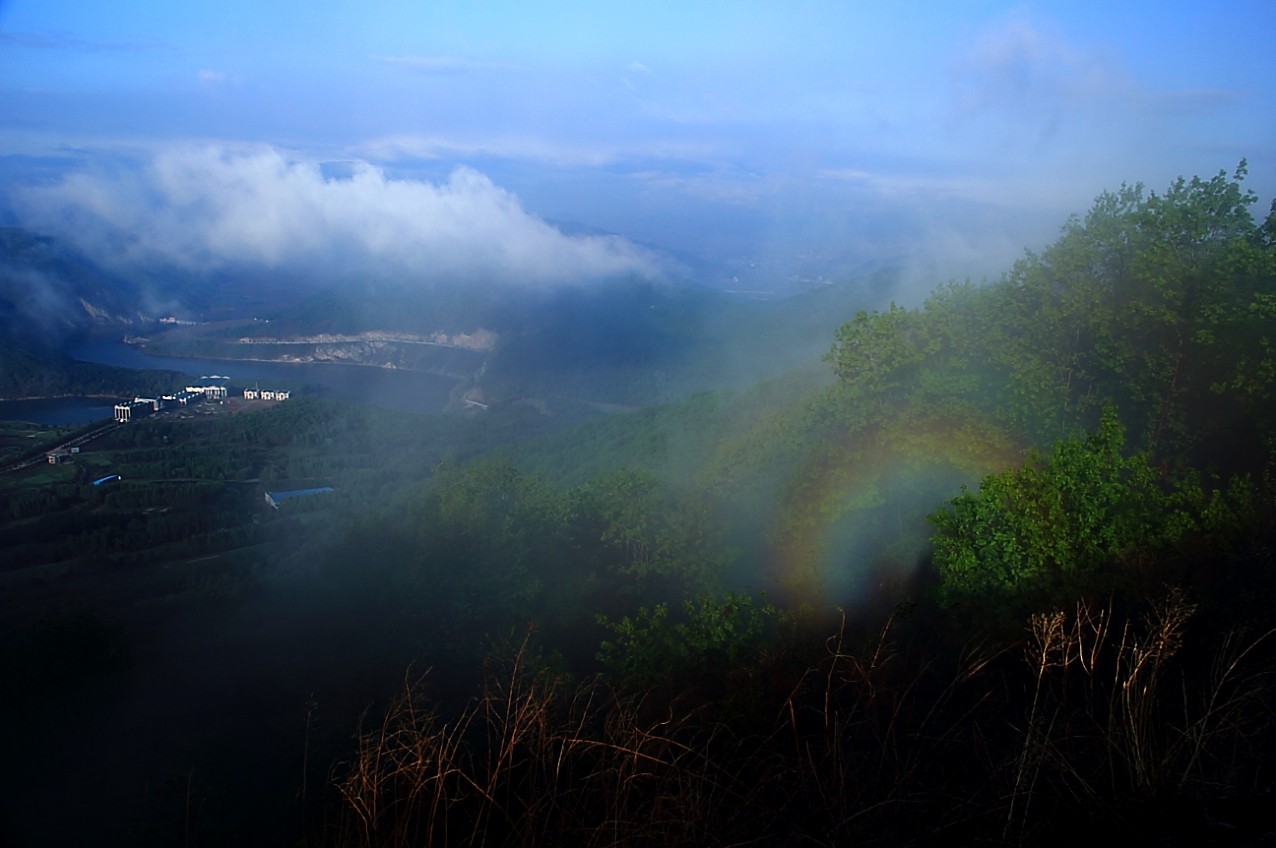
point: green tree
(656, 649)
(638, 528)
(1151, 301)
(1064, 523)
(876, 353)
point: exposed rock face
(450, 360)
(479, 340)
(48, 292)
(459, 354)
(99, 315)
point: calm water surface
(408, 390)
(70, 410)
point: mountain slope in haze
(614, 544)
(627, 341)
(1153, 311)
(32, 371)
(51, 294)
(49, 291)
(639, 342)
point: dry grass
(872, 744)
(1117, 722)
(536, 761)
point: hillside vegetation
(1085, 640)
(1001, 571)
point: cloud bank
(212, 207)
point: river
(413, 391)
(63, 410)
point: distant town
(138, 407)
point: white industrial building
(267, 394)
(135, 408)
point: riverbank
(395, 388)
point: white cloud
(212, 206)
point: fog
(550, 286)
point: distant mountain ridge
(51, 294)
(49, 290)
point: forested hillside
(49, 293)
(49, 290)
(1114, 393)
(34, 371)
(1001, 570)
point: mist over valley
(688, 425)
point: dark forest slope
(1080, 641)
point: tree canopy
(1161, 304)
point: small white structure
(476, 398)
(267, 394)
(136, 408)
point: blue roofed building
(276, 498)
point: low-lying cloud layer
(213, 207)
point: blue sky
(772, 140)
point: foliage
(645, 530)
(1158, 303)
(1085, 518)
(876, 355)
(32, 371)
(486, 547)
(721, 718)
(651, 650)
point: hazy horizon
(765, 145)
